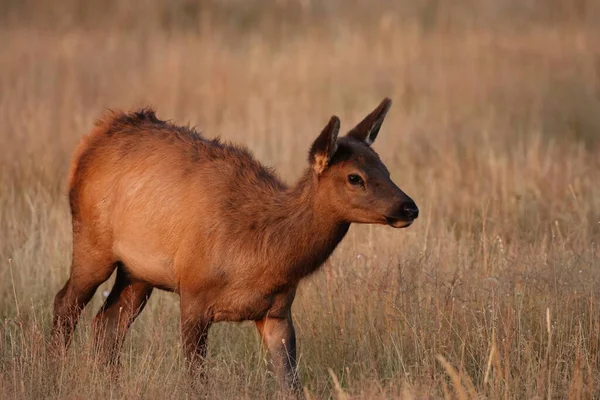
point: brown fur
(168, 208)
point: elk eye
(355, 179)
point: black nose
(410, 210)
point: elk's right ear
(324, 147)
(367, 130)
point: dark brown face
(355, 179)
(363, 189)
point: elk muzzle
(404, 215)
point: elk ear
(324, 147)
(367, 130)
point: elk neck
(303, 228)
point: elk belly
(147, 265)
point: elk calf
(167, 208)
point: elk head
(352, 177)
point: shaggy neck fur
(298, 228)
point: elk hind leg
(89, 269)
(124, 303)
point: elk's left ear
(368, 128)
(324, 147)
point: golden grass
(493, 292)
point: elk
(169, 209)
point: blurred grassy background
(494, 131)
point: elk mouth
(399, 222)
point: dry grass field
(493, 293)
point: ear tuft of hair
(325, 146)
(368, 129)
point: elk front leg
(194, 332)
(279, 338)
